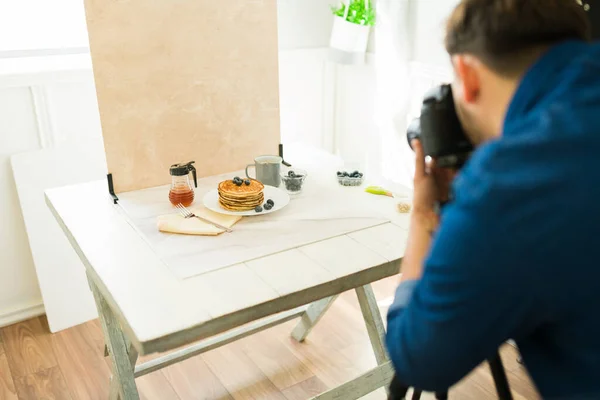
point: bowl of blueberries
(293, 179)
(346, 178)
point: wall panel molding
(43, 115)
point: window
(39, 27)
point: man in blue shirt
(516, 254)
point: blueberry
(346, 174)
(258, 209)
(293, 185)
(355, 174)
(247, 182)
(340, 174)
(271, 202)
(291, 174)
(268, 206)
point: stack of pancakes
(241, 198)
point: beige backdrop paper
(182, 80)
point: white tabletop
(159, 311)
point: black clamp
(111, 188)
(287, 164)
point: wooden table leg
(311, 317)
(363, 385)
(122, 354)
(114, 383)
(374, 323)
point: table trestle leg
(311, 317)
(122, 353)
(374, 323)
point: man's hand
(424, 221)
(426, 192)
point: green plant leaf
(358, 12)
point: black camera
(593, 10)
(440, 130)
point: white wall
(41, 24)
(355, 125)
(304, 23)
(322, 104)
(18, 132)
(428, 27)
(36, 110)
(304, 29)
(307, 23)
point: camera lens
(440, 130)
(414, 131)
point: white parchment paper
(323, 210)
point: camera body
(439, 129)
(593, 10)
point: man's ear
(469, 79)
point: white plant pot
(349, 41)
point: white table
(144, 308)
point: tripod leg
(397, 389)
(500, 379)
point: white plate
(279, 197)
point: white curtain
(410, 59)
(393, 54)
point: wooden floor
(35, 364)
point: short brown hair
(504, 34)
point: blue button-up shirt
(517, 254)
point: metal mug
(268, 170)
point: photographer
(516, 253)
